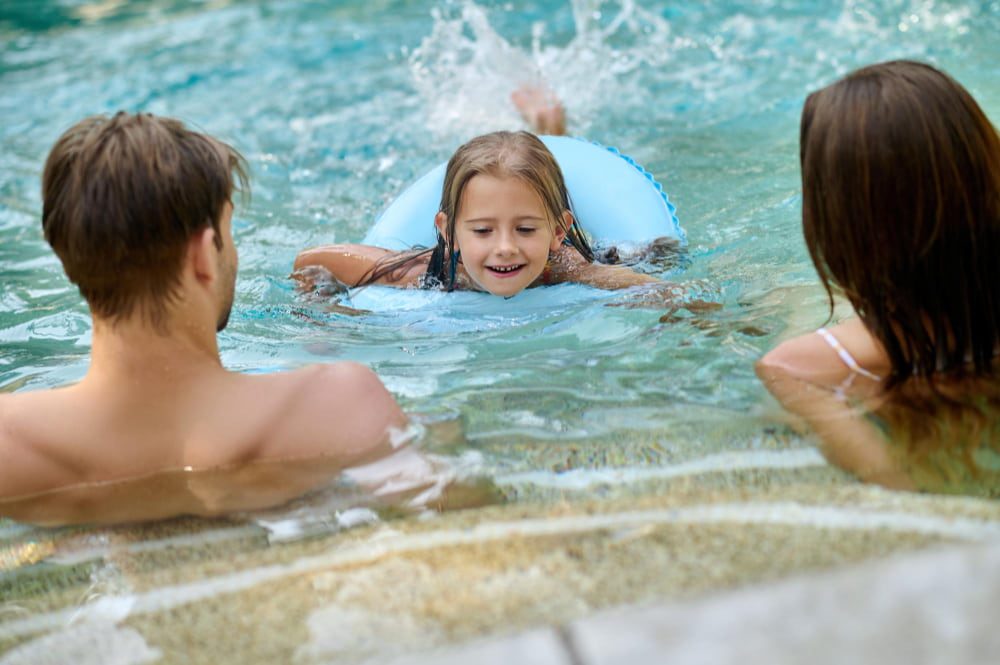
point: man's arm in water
(367, 428)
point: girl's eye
(481, 231)
(526, 230)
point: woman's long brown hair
(901, 211)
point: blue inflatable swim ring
(615, 200)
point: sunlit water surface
(338, 106)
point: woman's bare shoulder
(817, 359)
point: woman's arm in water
(353, 264)
(803, 374)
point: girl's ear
(441, 223)
(562, 227)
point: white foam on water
(620, 54)
(75, 555)
(90, 643)
(465, 70)
(581, 479)
(931, 607)
(12, 530)
(408, 476)
(91, 636)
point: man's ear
(203, 255)
(562, 226)
(441, 223)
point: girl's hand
(659, 295)
(318, 280)
(566, 265)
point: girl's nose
(505, 243)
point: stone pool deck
(937, 607)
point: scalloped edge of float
(671, 208)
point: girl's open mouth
(505, 271)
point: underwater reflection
(407, 480)
(861, 433)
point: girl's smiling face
(504, 233)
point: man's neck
(134, 348)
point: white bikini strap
(845, 356)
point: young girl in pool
(901, 214)
(505, 224)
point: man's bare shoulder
(24, 419)
(6, 426)
(339, 376)
(21, 414)
(339, 408)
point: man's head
(125, 197)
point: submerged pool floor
(232, 591)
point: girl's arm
(609, 278)
(803, 374)
(352, 264)
(568, 266)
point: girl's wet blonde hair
(504, 154)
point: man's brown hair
(122, 196)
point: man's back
(100, 431)
(139, 210)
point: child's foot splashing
(610, 44)
(541, 109)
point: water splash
(623, 60)
(465, 71)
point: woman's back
(901, 215)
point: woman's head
(503, 193)
(901, 210)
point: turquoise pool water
(338, 106)
(641, 459)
